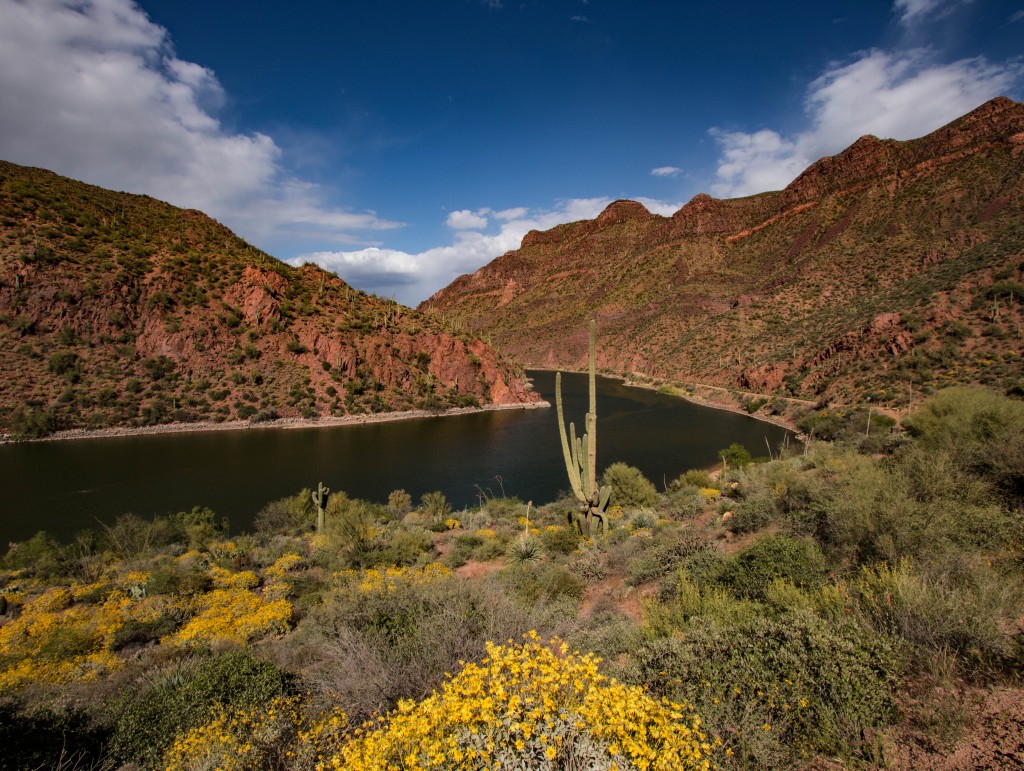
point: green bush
(982, 432)
(774, 689)
(771, 557)
(147, 719)
(966, 613)
(630, 488)
(287, 516)
(368, 649)
(735, 456)
(919, 504)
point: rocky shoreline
(283, 423)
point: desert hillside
(890, 269)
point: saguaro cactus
(580, 455)
(320, 501)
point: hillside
(889, 269)
(118, 309)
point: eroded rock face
(160, 315)
(788, 291)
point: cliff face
(887, 267)
(121, 310)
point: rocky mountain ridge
(889, 267)
(117, 309)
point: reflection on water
(63, 487)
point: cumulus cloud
(468, 220)
(666, 171)
(914, 11)
(892, 95)
(94, 90)
(412, 278)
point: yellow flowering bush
(235, 615)
(55, 641)
(486, 533)
(226, 579)
(711, 494)
(237, 740)
(391, 578)
(282, 565)
(530, 706)
(452, 524)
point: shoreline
(327, 421)
(776, 420)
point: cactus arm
(568, 455)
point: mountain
(118, 309)
(888, 268)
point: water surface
(63, 487)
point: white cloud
(1019, 16)
(467, 220)
(414, 277)
(666, 171)
(914, 11)
(93, 89)
(891, 95)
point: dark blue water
(63, 487)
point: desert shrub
(773, 689)
(435, 506)
(684, 502)
(41, 737)
(488, 709)
(608, 633)
(148, 717)
(917, 505)
(289, 516)
(40, 555)
(399, 503)
(241, 738)
(560, 540)
(32, 423)
(981, 431)
(754, 513)
(630, 488)
(965, 613)
(735, 456)
(661, 557)
(541, 583)
(694, 478)
(825, 425)
(382, 636)
(771, 557)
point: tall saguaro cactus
(320, 501)
(580, 455)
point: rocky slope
(117, 309)
(888, 269)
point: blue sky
(401, 143)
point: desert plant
(580, 456)
(320, 501)
(629, 486)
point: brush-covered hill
(890, 267)
(118, 309)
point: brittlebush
(530, 706)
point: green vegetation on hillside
(120, 310)
(831, 603)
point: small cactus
(320, 501)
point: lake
(63, 487)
